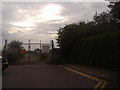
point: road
(33, 59)
(44, 76)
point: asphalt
(44, 76)
(33, 59)
(39, 75)
(112, 77)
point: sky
(41, 20)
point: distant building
(45, 49)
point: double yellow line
(101, 83)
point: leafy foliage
(115, 10)
(93, 43)
(14, 57)
(15, 44)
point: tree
(92, 43)
(102, 18)
(109, 17)
(15, 44)
(115, 10)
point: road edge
(101, 83)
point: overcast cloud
(41, 20)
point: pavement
(40, 75)
(25, 59)
(112, 77)
(44, 76)
(58, 76)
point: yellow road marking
(101, 83)
(98, 85)
(104, 84)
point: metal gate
(42, 48)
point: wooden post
(40, 50)
(29, 50)
(40, 47)
(53, 52)
(5, 48)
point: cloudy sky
(41, 20)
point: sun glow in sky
(49, 12)
(41, 20)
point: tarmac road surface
(43, 76)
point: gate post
(5, 48)
(40, 50)
(29, 50)
(53, 52)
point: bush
(12, 58)
(92, 43)
(97, 50)
(43, 56)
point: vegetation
(13, 53)
(93, 43)
(15, 44)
